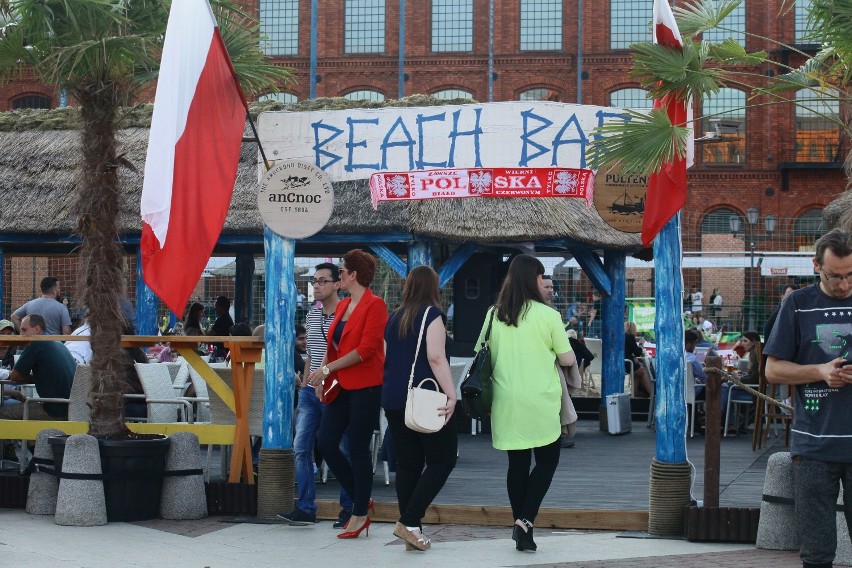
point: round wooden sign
(620, 199)
(295, 199)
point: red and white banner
(483, 182)
(193, 153)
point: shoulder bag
(421, 405)
(477, 387)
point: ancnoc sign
(295, 199)
(356, 143)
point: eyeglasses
(321, 281)
(836, 278)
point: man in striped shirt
(326, 284)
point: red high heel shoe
(357, 533)
(371, 507)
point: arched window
(31, 101)
(724, 116)
(286, 98)
(541, 25)
(631, 98)
(718, 222)
(733, 26)
(449, 94)
(364, 26)
(808, 228)
(279, 22)
(629, 22)
(818, 136)
(452, 25)
(364, 95)
(540, 94)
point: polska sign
(356, 143)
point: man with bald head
(49, 366)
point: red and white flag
(667, 188)
(193, 153)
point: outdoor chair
(163, 405)
(652, 403)
(596, 366)
(201, 399)
(459, 367)
(376, 445)
(735, 388)
(689, 395)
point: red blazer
(365, 332)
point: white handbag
(421, 405)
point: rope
(275, 480)
(668, 497)
(747, 388)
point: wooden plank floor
(601, 472)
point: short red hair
(362, 264)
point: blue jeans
(308, 417)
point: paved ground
(36, 542)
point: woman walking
(527, 338)
(416, 487)
(349, 380)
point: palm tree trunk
(102, 259)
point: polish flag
(193, 153)
(666, 193)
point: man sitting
(50, 366)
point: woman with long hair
(527, 339)
(349, 380)
(192, 321)
(416, 487)
(632, 352)
(751, 347)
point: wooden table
(245, 353)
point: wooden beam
(222, 434)
(146, 302)
(420, 254)
(455, 262)
(390, 258)
(593, 267)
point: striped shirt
(317, 324)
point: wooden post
(612, 325)
(420, 254)
(146, 303)
(280, 337)
(712, 433)
(668, 282)
(244, 288)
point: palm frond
(662, 70)
(702, 15)
(730, 52)
(640, 143)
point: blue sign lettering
(318, 144)
(527, 135)
(409, 141)
(421, 163)
(351, 145)
(582, 140)
(477, 130)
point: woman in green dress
(527, 339)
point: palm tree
(104, 53)
(645, 141)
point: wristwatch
(325, 370)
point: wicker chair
(163, 405)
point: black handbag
(477, 387)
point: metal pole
(751, 286)
(312, 93)
(401, 92)
(579, 52)
(490, 51)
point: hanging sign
(488, 182)
(620, 198)
(295, 199)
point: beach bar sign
(354, 144)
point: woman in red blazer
(350, 382)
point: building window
(540, 94)
(31, 101)
(452, 25)
(733, 26)
(802, 30)
(450, 94)
(541, 25)
(286, 98)
(818, 136)
(724, 112)
(364, 95)
(809, 227)
(718, 222)
(631, 98)
(630, 22)
(279, 22)
(364, 26)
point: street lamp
(752, 217)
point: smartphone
(846, 363)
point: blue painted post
(146, 303)
(455, 262)
(593, 267)
(420, 254)
(244, 288)
(612, 323)
(390, 258)
(2, 258)
(280, 336)
(670, 414)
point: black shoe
(525, 538)
(342, 519)
(298, 517)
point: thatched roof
(40, 172)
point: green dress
(527, 393)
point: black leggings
(355, 411)
(528, 488)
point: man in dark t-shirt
(809, 344)
(223, 324)
(47, 364)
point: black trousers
(416, 487)
(356, 411)
(528, 488)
